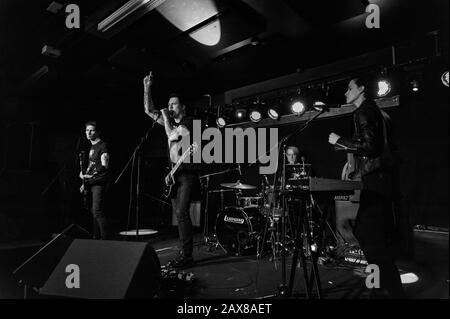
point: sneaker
(181, 261)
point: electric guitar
(349, 173)
(169, 180)
(84, 187)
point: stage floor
(216, 275)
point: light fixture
(255, 115)
(414, 85)
(273, 112)
(384, 88)
(318, 105)
(126, 10)
(444, 78)
(298, 108)
(240, 114)
(221, 122)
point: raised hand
(333, 138)
(148, 80)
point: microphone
(239, 169)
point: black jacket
(372, 143)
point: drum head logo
(234, 220)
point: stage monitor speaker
(97, 269)
(35, 271)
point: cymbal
(238, 185)
(298, 164)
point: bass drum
(238, 230)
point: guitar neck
(182, 158)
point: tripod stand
(313, 246)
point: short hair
(294, 148)
(177, 95)
(92, 123)
(369, 83)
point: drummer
(292, 154)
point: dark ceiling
(259, 40)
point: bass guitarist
(95, 179)
(177, 127)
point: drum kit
(252, 224)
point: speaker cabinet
(35, 270)
(95, 269)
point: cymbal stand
(282, 288)
(211, 241)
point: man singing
(95, 179)
(372, 148)
(177, 126)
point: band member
(292, 153)
(373, 150)
(177, 125)
(95, 179)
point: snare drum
(239, 229)
(249, 201)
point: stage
(216, 275)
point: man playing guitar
(95, 178)
(177, 126)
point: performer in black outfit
(373, 152)
(177, 125)
(96, 178)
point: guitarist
(95, 178)
(373, 160)
(177, 126)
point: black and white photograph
(224, 157)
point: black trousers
(375, 227)
(100, 222)
(183, 192)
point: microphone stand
(284, 289)
(136, 155)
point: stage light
(240, 114)
(414, 85)
(298, 108)
(384, 88)
(221, 122)
(444, 78)
(273, 113)
(255, 116)
(318, 105)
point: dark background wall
(39, 139)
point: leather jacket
(372, 143)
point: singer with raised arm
(178, 126)
(373, 150)
(95, 178)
